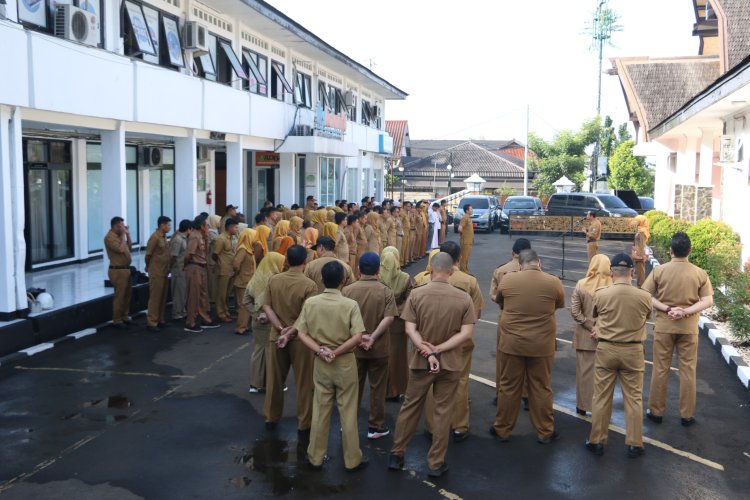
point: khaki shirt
(196, 249)
(117, 257)
(529, 299)
(621, 311)
(342, 245)
(391, 231)
(361, 241)
(509, 267)
(439, 310)
(286, 294)
(582, 310)
(678, 283)
(419, 223)
(177, 248)
(330, 319)
(223, 249)
(351, 241)
(399, 227)
(313, 270)
(375, 301)
(244, 268)
(467, 231)
(157, 255)
(594, 232)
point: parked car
(646, 204)
(523, 205)
(630, 198)
(487, 216)
(578, 204)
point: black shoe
(460, 436)
(395, 399)
(362, 465)
(211, 325)
(493, 432)
(303, 435)
(595, 448)
(271, 426)
(163, 324)
(654, 418)
(153, 329)
(439, 471)
(121, 326)
(242, 333)
(312, 466)
(580, 411)
(525, 404)
(129, 322)
(395, 462)
(193, 329)
(554, 437)
(636, 451)
(687, 422)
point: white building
(170, 107)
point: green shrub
(661, 236)
(736, 305)
(721, 262)
(706, 236)
(654, 216)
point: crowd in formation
(323, 293)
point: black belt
(119, 267)
(619, 342)
(196, 264)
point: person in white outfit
(435, 225)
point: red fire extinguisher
(209, 199)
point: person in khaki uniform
(401, 285)
(223, 255)
(679, 292)
(157, 267)
(391, 226)
(326, 253)
(411, 250)
(361, 238)
(466, 228)
(529, 299)
(405, 257)
(331, 326)
(214, 230)
(467, 283)
(396, 215)
(443, 220)
(593, 234)
(621, 311)
(177, 247)
(582, 310)
(372, 232)
(350, 232)
(244, 267)
(638, 252)
(378, 308)
(286, 294)
(439, 320)
(196, 278)
(342, 244)
(118, 245)
(421, 229)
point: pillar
(287, 179)
(114, 188)
(235, 177)
(705, 176)
(185, 177)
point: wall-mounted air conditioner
(196, 38)
(348, 99)
(152, 157)
(77, 24)
(727, 149)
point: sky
(472, 67)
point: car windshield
(519, 204)
(647, 203)
(480, 203)
(611, 201)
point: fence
(612, 227)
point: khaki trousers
(498, 359)
(354, 264)
(197, 299)
(278, 361)
(243, 315)
(443, 230)
(211, 282)
(585, 379)
(623, 361)
(179, 293)
(640, 272)
(223, 284)
(406, 248)
(399, 243)
(538, 371)
(413, 238)
(120, 279)
(686, 346)
(460, 418)
(376, 369)
(261, 333)
(465, 256)
(336, 381)
(157, 299)
(443, 385)
(398, 359)
(593, 249)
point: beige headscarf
(598, 274)
(214, 221)
(331, 229)
(295, 224)
(271, 264)
(247, 238)
(318, 218)
(262, 233)
(641, 222)
(390, 271)
(373, 218)
(311, 237)
(424, 277)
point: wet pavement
(133, 414)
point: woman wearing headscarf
(255, 295)
(383, 227)
(279, 232)
(214, 230)
(262, 232)
(295, 229)
(372, 232)
(331, 230)
(424, 277)
(582, 310)
(286, 242)
(319, 218)
(310, 241)
(361, 240)
(400, 284)
(638, 253)
(244, 268)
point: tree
(627, 171)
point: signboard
(267, 159)
(329, 124)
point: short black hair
(451, 248)
(350, 205)
(230, 222)
(260, 217)
(184, 225)
(352, 219)
(310, 197)
(365, 199)
(203, 214)
(294, 207)
(436, 205)
(163, 219)
(271, 210)
(296, 255)
(198, 222)
(467, 206)
(115, 220)
(339, 217)
(520, 245)
(591, 213)
(681, 245)
(443, 202)
(394, 208)
(267, 204)
(379, 209)
(333, 274)
(327, 243)
(306, 224)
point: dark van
(578, 204)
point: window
(330, 172)
(40, 14)
(159, 43)
(366, 113)
(302, 89)
(576, 200)
(231, 58)
(279, 84)
(352, 112)
(256, 66)
(323, 94)
(136, 31)
(221, 63)
(611, 201)
(592, 203)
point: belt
(591, 241)
(119, 267)
(619, 342)
(196, 264)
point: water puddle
(103, 410)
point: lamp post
(450, 177)
(401, 171)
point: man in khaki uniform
(177, 247)
(406, 242)
(466, 228)
(529, 299)
(378, 308)
(157, 267)
(443, 220)
(331, 326)
(197, 278)
(391, 225)
(396, 215)
(593, 234)
(223, 255)
(342, 245)
(118, 245)
(679, 292)
(420, 232)
(411, 250)
(229, 213)
(286, 294)
(326, 253)
(439, 320)
(621, 311)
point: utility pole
(526, 157)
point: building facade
(170, 107)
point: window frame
(161, 56)
(252, 60)
(234, 61)
(279, 68)
(49, 17)
(305, 98)
(134, 48)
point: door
(266, 186)
(220, 190)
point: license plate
(475, 225)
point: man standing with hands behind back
(593, 233)
(157, 267)
(466, 228)
(118, 244)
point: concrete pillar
(253, 176)
(686, 158)
(287, 179)
(114, 188)
(185, 177)
(80, 199)
(235, 174)
(707, 156)
(147, 213)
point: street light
(401, 171)
(450, 176)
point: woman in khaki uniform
(281, 230)
(262, 232)
(319, 218)
(244, 267)
(372, 232)
(350, 233)
(638, 253)
(401, 285)
(310, 241)
(582, 310)
(361, 239)
(214, 231)
(295, 229)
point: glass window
(366, 113)
(365, 183)
(353, 109)
(576, 200)
(152, 21)
(611, 201)
(279, 83)
(233, 60)
(519, 204)
(323, 94)
(161, 193)
(302, 90)
(352, 178)
(592, 202)
(137, 37)
(94, 197)
(172, 45)
(330, 172)
(257, 66)
(131, 195)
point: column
(114, 189)
(80, 199)
(706, 168)
(185, 177)
(287, 179)
(235, 177)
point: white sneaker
(373, 433)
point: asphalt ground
(141, 415)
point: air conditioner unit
(77, 24)
(152, 157)
(202, 152)
(348, 99)
(376, 111)
(728, 149)
(196, 38)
